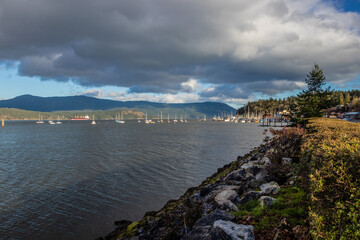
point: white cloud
(165, 98)
(190, 86)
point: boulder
(249, 196)
(265, 161)
(270, 188)
(209, 219)
(286, 161)
(202, 233)
(253, 170)
(266, 201)
(227, 198)
(237, 175)
(263, 175)
(205, 191)
(248, 165)
(236, 231)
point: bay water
(73, 180)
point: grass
(291, 203)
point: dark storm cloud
(155, 46)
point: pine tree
(347, 98)
(314, 99)
(342, 100)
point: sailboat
(122, 118)
(139, 120)
(116, 119)
(3, 123)
(161, 120)
(93, 121)
(175, 121)
(185, 118)
(58, 121)
(119, 120)
(146, 120)
(40, 120)
(51, 122)
(168, 118)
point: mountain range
(85, 103)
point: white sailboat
(122, 118)
(146, 120)
(118, 119)
(93, 121)
(161, 120)
(58, 121)
(168, 118)
(175, 120)
(40, 120)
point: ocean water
(72, 181)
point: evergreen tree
(347, 98)
(342, 100)
(314, 99)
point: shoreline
(302, 183)
(208, 210)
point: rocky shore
(234, 203)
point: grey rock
(249, 196)
(209, 219)
(248, 165)
(286, 161)
(263, 175)
(265, 161)
(227, 198)
(203, 233)
(207, 207)
(205, 191)
(266, 201)
(254, 157)
(237, 175)
(254, 170)
(270, 188)
(221, 188)
(253, 184)
(236, 231)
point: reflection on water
(72, 181)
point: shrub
(332, 152)
(285, 142)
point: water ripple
(73, 180)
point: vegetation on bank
(332, 154)
(326, 198)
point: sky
(231, 51)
